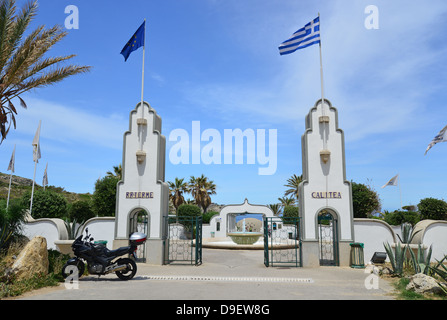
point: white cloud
(65, 123)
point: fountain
(245, 237)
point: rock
(32, 259)
(422, 283)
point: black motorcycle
(100, 260)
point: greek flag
(303, 38)
(440, 137)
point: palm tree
(276, 208)
(292, 184)
(117, 172)
(177, 188)
(201, 189)
(22, 63)
(286, 201)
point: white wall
(51, 229)
(373, 234)
(101, 228)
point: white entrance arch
(227, 217)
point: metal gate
(282, 242)
(328, 239)
(138, 223)
(184, 240)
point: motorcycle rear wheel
(129, 272)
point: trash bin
(357, 258)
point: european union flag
(135, 42)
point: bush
(208, 215)
(433, 209)
(46, 204)
(365, 201)
(291, 212)
(104, 197)
(10, 222)
(188, 210)
(81, 211)
(399, 217)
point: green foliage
(73, 228)
(46, 204)
(188, 210)
(365, 200)
(23, 62)
(407, 233)
(81, 211)
(421, 263)
(397, 257)
(10, 222)
(291, 212)
(434, 209)
(208, 215)
(440, 269)
(397, 217)
(104, 197)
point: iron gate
(328, 239)
(139, 223)
(282, 242)
(184, 240)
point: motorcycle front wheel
(129, 272)
(67, 269)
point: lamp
(141, 156)
(378, 257)
(325, 155)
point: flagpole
(11, 167)
(322, 86)
(9, 190)
(400, 192)
(142, 78)
(32, 190)
(321, 69)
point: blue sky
(217, 62)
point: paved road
(226, 275)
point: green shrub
(46, 204)
(188, 210)
(434, 209)
(81, 211)
(397, 217)
(291, 212)
(104, 197)
(208, 215)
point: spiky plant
(397, 257)
(23, 65)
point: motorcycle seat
(117, 252)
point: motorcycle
(100, 260)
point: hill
(20, 185)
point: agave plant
(73, 228)
(421, 262)
(441, 270)
(407, 233)
(23, 66)
(397, 257)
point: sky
(217, 62)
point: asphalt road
(226, 275)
